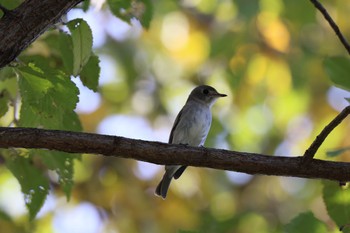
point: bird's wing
(177, 120)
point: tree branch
(331, 22)
(311, 151)
(171, 154)
(21, 26)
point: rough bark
(162, 153)
(21, 26)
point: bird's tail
(163, 186)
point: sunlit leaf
(306, 223)
(48, 98)
(90, 73)
(66, 51)
(337, 200)
(34, 184)
(82, 43)
(338, 69)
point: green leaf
(147, 14)
(10, 5)
(138, 9)
(49, 98)
(63, 164)
(91, 72)
(4, 99)
(119, 8)
(6, 72)
(337, 152)
(34, 184)
(338, 69)
(66, 51)
(82, 43)
(306, 223)
(337, 200)
(86, 5)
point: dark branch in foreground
(331, 22)
(311, 151)
(162, 153)
(21, 26)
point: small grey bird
(191, 128)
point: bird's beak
(218, 94)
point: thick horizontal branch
(21, 26)
(170, 154)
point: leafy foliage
(63, 164)
(305, 223)
(90, 73)
(65, 48)
(127, 10)
(81, 42)
(338, 69)
(6, 72)
(34, 189)
(48, 99)
(337, 200)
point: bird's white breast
(193, 125)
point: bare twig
(311, 151)
(171, 154)
(331, 22)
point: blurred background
(266, 55)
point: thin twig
(331, 22)
(311, 151)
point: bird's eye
(205, 92)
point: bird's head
(205, 94)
